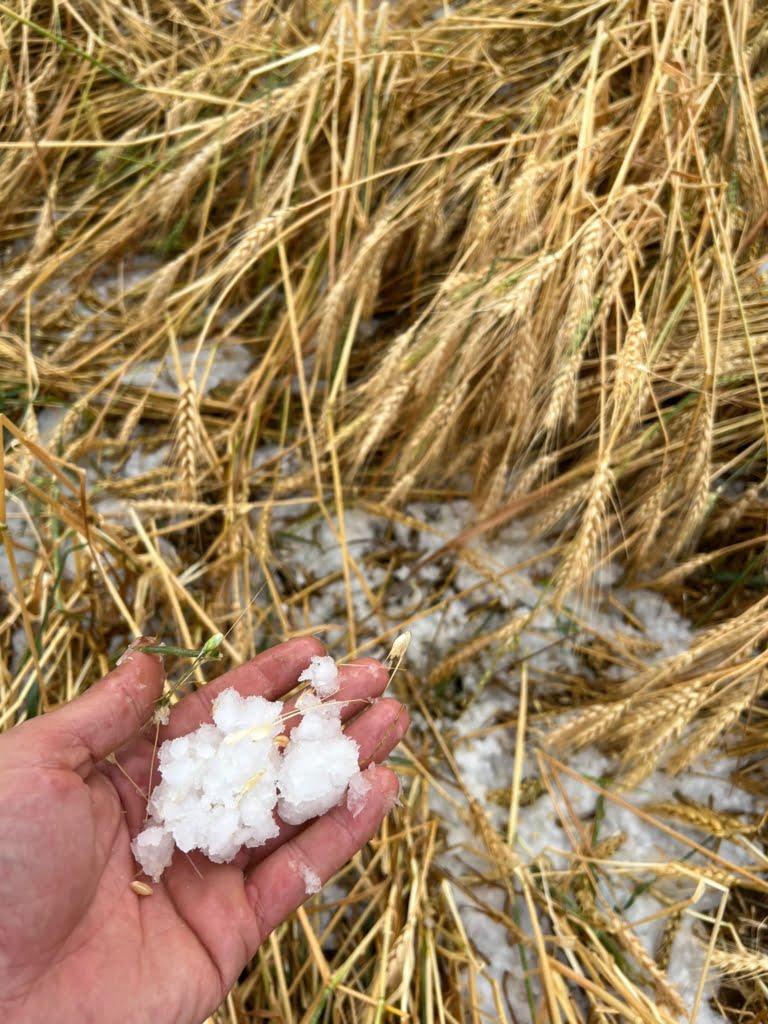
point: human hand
(76, 942)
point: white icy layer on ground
(222, 783)
(217, 364)
(551, 645)
(484, 759)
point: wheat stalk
(726, 713)
(630, 378)
(742, 963)
(583, 550)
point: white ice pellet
(357, 794)
(322, 674)
(153, 849)
(309, 701)
(310, 878)
(221, 784)
(316, 768)
(232, 713)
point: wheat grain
(478, 234)
(583, 551)
(30, 427)
(561, 402)
(175, 185)
(192, 449)
(530, 476)
(696, 477)
(744, 963)
(369, 251)
(665, 714)
(663, 950)
(427, 439)
(606, 848)
(630, 378)
(252, 241)
(162, 283)
(386, 414)
(732, 516)
(559, 509)
(262, 546)
(664, 992)
(713, 823)
(705, 737)
(588, 726)
(518, 213)
(498, 638)
(499, 480)
(431, 229)
(46, 228)
(650, 517)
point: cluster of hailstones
(222, 783)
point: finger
(278, 885)
(108, 714)
(270, 674)
(377, 732)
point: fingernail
(136, 645)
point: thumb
(109, 713)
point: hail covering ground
(484, 754)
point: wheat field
(310, 312)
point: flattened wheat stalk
(664, 991)
(499, 638)
(583, 551)
(631, 376)
(368, 252)
(176, 184)
(573, 333)
(588, 726)
(698, 472)
(191, 445)
(722, 717)
(744, 963)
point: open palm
(76, 942)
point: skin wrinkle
(111, 845)
(262, 931)
(40, 897)
(84, 763)
(210, 952)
